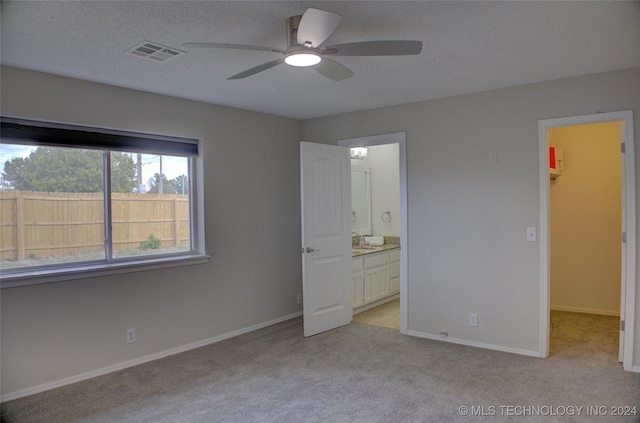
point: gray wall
(252, 210)
(467, 219)
(467, 250)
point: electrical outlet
(473, 319)
(299, 299)
(131, 335)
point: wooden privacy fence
(40, 224)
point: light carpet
(357, 373)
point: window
(75, 200)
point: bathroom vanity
(375, 276)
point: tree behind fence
(39, 224)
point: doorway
(585, 227)
(400, 139)
(627, 220)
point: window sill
(103, 269)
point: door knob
(311, 250)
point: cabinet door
(385, 288)
(395, 285)
(394, 271)
(357, 289)
(376, 283)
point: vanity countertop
(358, 251)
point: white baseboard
(586, 310)
(116, 367)
(474, 344)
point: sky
(9, 151)
(171, 166)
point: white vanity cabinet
(357, 282)
(374, 277)
(394, 270)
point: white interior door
(325, 173)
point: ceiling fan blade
(376, 48)
(257, 69)
(333, 70)
(316, 26)
(232, 46)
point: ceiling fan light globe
(302, 59)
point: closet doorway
(582, 272)
(585, 226)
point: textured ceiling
(468, 47)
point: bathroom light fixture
(302, 59)
(358, 153)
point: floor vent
(154, 51)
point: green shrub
(151, 243)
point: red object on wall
(552, 158)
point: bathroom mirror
(361, 201)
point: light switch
(531, 234)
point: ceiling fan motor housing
(292, 30)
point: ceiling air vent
(155, 51)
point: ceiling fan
(305, 34)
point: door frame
(400, 139)
(628, 288)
